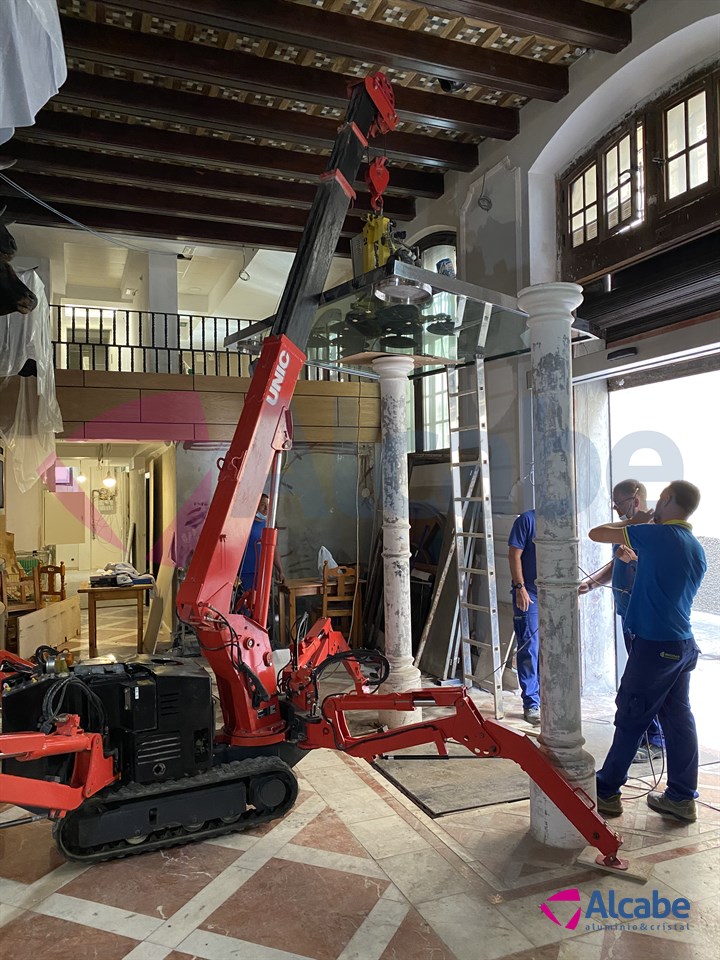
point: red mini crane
(124, 757)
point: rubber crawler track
(241, 771)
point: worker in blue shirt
(629, 497)
(248, 567)
(656, 681)
(523, 571)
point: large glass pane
(698, 165)
(352, 320)
(576, 196)
(611, 169)
(697, 120)
(675, 130)
(677, 179)
(591, 185)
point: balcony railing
(132, 341)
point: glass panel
(675, 128)
(697, 120)
(576, 195)
(611, 169)
(624, 154)
(353, 321)
(611, 206)
(640, 172)
(591, 220)
(591, 185)
(578, 237)
(677, 179)
(698, 165)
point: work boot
(531, 715)
(684, 810)
(610, 806)
(644, 755)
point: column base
(403, 676)
(547, 823)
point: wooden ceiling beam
(171, 106)
(65, 189)
(367, 40)
(237, 70)
(582, 24)
(182, 229)
(67, 129)
(126, 171)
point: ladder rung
(474, 606)
(468, 463)
(483, 573)
(474, 536)
(464, 393)
(470, 499)
(473, 426)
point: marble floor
(355, 871)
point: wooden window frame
(666, 222)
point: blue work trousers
(656, 682)
(654, 731)
(525, 624)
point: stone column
(393, 372)
(549, 307)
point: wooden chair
(21, 588)
(342, 598)
(50, 583)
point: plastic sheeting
(30, 434)
(32, 61)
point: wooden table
(292, 589)
(97, 595)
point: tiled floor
(356, 872)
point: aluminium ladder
(476, 638)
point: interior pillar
(393, 372)
(549, 307)
(163, 312)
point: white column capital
(550, 301)
(393, 365)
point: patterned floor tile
(155, 884)
(33, 936)
(283, 906)
(326, 832)
(416, 940)
(28, 853)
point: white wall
(23, 511)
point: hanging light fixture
(81, 478)
(109, 481)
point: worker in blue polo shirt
(523, 571)
(629, 497)
(656, 681)
(248, 566)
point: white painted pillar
(549, 307)
(162, 300)
(393, 372)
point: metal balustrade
(133, 341)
